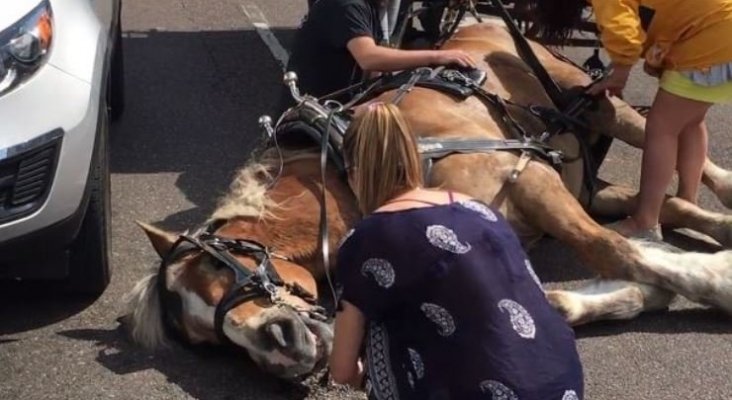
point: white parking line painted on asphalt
(256, 17)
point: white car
(60, 84)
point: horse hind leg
(619, 201)
(719, 181)
(603, 300)
(661, 271)
(624, 123)
(540, 197)
(701, 277)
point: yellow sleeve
(620, 29)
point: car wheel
(89, 262)
(116, 83)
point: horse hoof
(565, 303)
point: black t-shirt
(320, 56)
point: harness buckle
(271, 290)
(520, 166)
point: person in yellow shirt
(687, 44)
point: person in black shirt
(338, 41)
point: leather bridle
(262, 282)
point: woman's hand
(612, 84)
(345, 364)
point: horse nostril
(275, 330)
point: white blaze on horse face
(199, 313)
(244, 335)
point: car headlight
(24, 47)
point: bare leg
(620, 121)
(669, 117)
(692, 154)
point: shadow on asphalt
(220, 372)
(194, 117)
(26, 306)
(696, 320)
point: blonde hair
(382, 150)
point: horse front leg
(619, 201)
(541, 198)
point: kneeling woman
(438, 288)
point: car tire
(89, 269)
(116, 83)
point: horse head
(243, 279)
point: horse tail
(144, 318)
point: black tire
(116, 83)
(90, 272)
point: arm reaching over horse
(338, 43)
(372, 57)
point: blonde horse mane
(144, 317)
(247, 197)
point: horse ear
(160, 239)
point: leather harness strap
(553, 90)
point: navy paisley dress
(455, 309)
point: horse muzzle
(283, 342)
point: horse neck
(291, 226)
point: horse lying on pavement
(249, 275)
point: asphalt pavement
(198, 75)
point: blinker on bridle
(262, 282)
